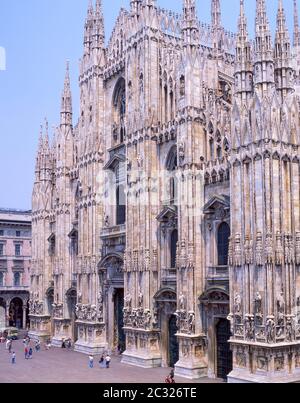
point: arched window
(174, 240)
(172, 168)
(212, 149)
(119, 111)
(223, 244)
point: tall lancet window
(223, 244)
(172, 169)
(173, 247)
(120, 194)
(119, 112)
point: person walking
(30, 353)
(170, 378)
(26, 352)
(10, 346)
(91, 361)
(102, 362)
(37, 346)
(107, 360)
(13, 358)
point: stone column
(24, 315)
(7, 313)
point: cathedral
(166, 220)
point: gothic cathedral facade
(166, 222)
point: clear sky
(38, 37)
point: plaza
(66, 366)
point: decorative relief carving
(297, 248)
(86, 313)
(279, 253)
(259, 249)
(57, 310)
(262, 363)
(279, 363)
(237, 251)
(248, 250)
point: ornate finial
(189, 10)
(296, 26)
(66, 99)
(215, 13)
(190, 26)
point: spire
(243, 66)
(190, 26)
(282, 39)
(66, 100)
(88, 28)
(264, 63)
(38, 154)
(98, 35)
(215, 13)
(135, 6)
(263, 43)
(296, 26)
(46, 138)
(189, 10)
(282, 54)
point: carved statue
(270, 331)
(237, 303)
(140, 298)
(128, 300)
(191, 322)
(258, 304)
(182, 302)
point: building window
(223, 244)
(1, 249)
(121, 208)
(1, 279)
(17, 250)
(172, 168)
(174, 240)
(120, 194)
(17, 279)
(1, 232)
(18, 233)
(119, 112)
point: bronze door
(224, 354)
(173, 342)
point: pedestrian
(37, 346)
(26, 352)
(13, 358)
(107, 360)
(170, 378)
(30, 353)
(48, 344)
(7, 344)
(102, 362)
(91, 361)
(69, 344)
(63, 345)
(10, 346)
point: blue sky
(38, 37)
